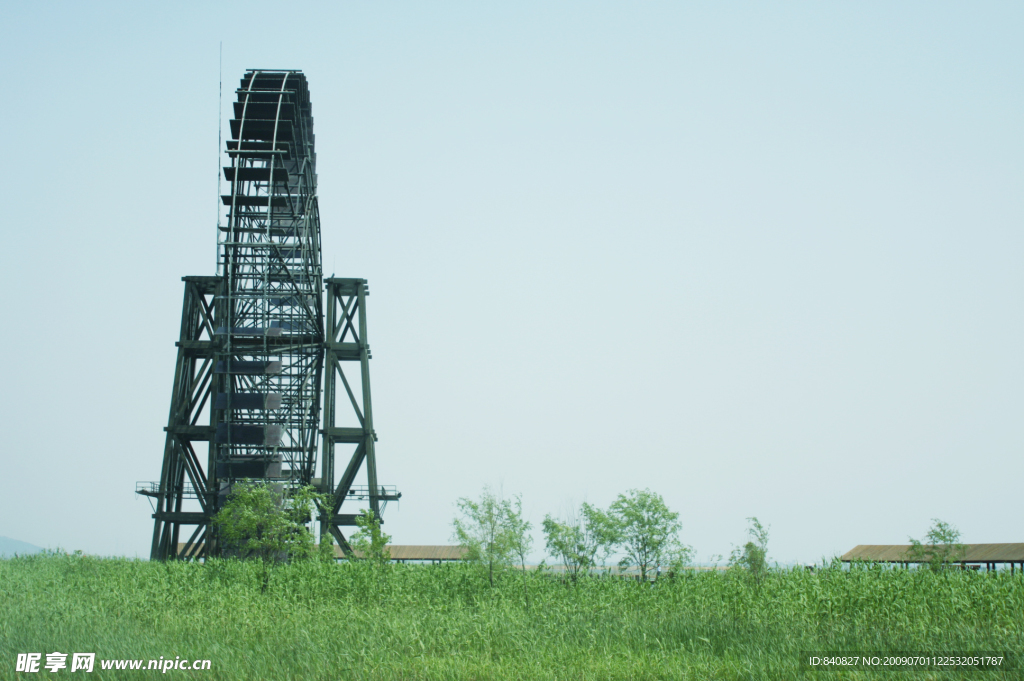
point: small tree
(325, 551)
(519, 538)
(260, 521)
(564, 541)
(678, 559)
(483, 529)
(646, 530)
(753, 556)
(370, 548)
(942, 545)
(579, 539)
(369, 542)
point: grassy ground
(324, 621)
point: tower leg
(184, 482)
(347, 345)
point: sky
(763, 259)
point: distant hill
(9, 547)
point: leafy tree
(678, 559)
(753, 556)
(369, 542)
(325, 550)
(646, 530)
(579, 539)
(259, 521)
(519, 538)
(565, 541)
(942, 545)
(484, 530)
(370, 548)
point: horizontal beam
(192, 432)
(347, 351)
(348, 435)
(182, 517)
(241, 345)
(199, 518)
(203, 279)
(345, 285)
(348, 519)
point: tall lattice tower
(253, 344)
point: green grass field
(331, 622)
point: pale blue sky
(764, 259)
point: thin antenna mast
(220, 127)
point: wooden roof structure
(899, 553)
(404, 552)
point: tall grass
(326, 621)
